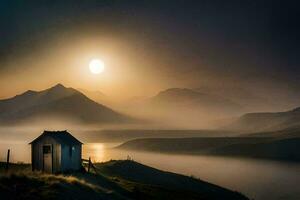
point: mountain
(56, 103)
(191, 108)
(250, 101)
(255, 99)
(188, 98)
(267, 121)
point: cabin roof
(60, 136)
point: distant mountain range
(180, 107)
(254, 100)
(188, 108)
(56, 103)
(188, 98)
(249, 101)
(184, 108)
(254, 122)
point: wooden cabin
(56, 151)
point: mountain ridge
(185, 94)
(57, 101)
(267, 121)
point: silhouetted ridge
(59, 85)
(270, 121)
(30, 92)
(56, 102)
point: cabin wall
(37, 154)
(78, 161)
(71, 161)
(35, 157)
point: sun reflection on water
(99, 152)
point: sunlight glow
(98, 150)
(96, 66)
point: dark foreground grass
(114, 180)
(15, 167)
(43, 186)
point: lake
(258, 179)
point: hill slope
(172, 186)
(114, 180)
(57, 102)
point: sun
(96, 66)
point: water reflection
(258, 179)
(93, 150)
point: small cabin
(56, 151)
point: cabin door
(47, 158)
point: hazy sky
(149, 45)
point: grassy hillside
(166, 185)
(113, 180)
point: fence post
(7, 160)
(89, 166)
